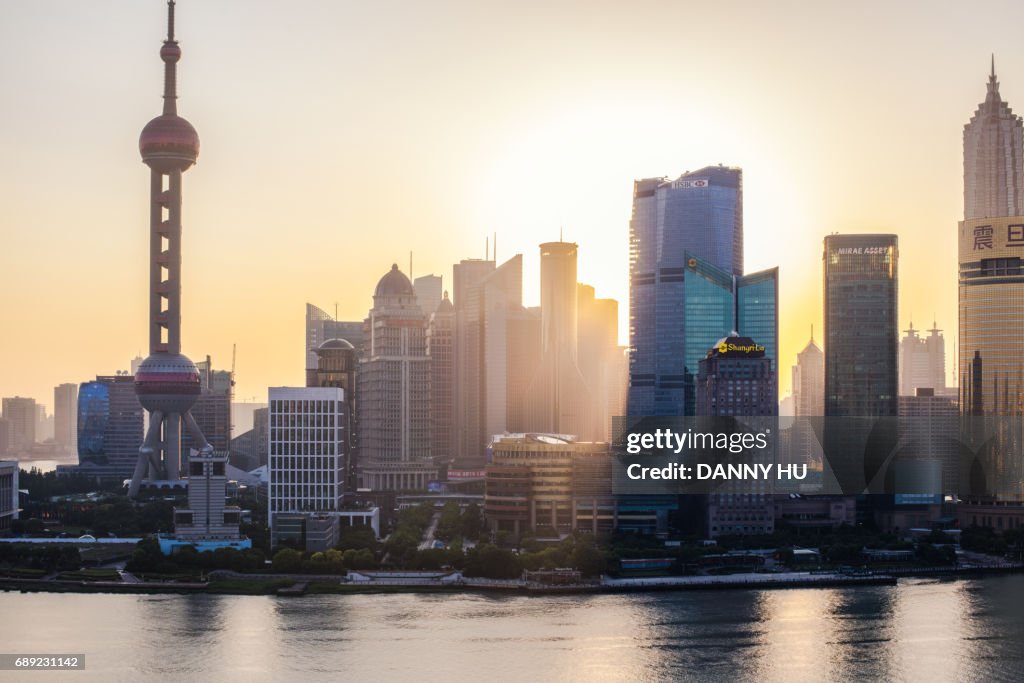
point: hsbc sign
(691, 184)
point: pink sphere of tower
(169, 143)
(168, 383)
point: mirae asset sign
(859, 251)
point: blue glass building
(687, 288)
(110, 426)
(687, 291)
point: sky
(339, 136)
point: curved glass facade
(110, 425)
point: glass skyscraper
(861, 331)
(110, 424)
(678, 226)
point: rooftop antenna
(410, 265)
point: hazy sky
(338, 136)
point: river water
(920, 630)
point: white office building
(307, 458)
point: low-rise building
(8, 495)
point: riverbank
(232, 583)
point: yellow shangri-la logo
(723, 348)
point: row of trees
(50, 558)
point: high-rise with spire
(991, 282)
(993, 158)
(167, 382)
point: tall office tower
(167, 382)
(467, 278)
(523, 359)
(21, 415)
(428, 290)
(321, 326)
(560, 400)
(993, 158)
(501, 299)
(394, 391)
(599, 358)
(44, 424)
(922, 362)
(135, 363)
(337, 363)
(804, 447)
(110, 427)
(261, 427)
(700, 214)
(307, 452)
(991, 285)
(441, 349)
(736, 379)
(65, 412)
(5, 435)
(809, 381)
(860, 274)
(212, 409)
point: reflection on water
(921, 630)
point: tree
(357, 538)
(287, 561)
(472, 522)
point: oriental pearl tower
(167, 382)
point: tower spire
(993, 84)
(170, 53)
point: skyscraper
(394, 391)
(861, 372)
(501, 298)
(860, 274)
(560, 401)
(428, 290)
(321, 326)
(441, 349)
(467, 277)
(110, 427)
(736, 379)
(600, 359)
(21, 415)
(307, 452)
(65, 416)
(809, 381)
(212, 409)
(700, 214)
(991, 284)
(922, 362)
(167, 382)
(993, 158)
(337, 365)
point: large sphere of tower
(167, 382)
(169, 143)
